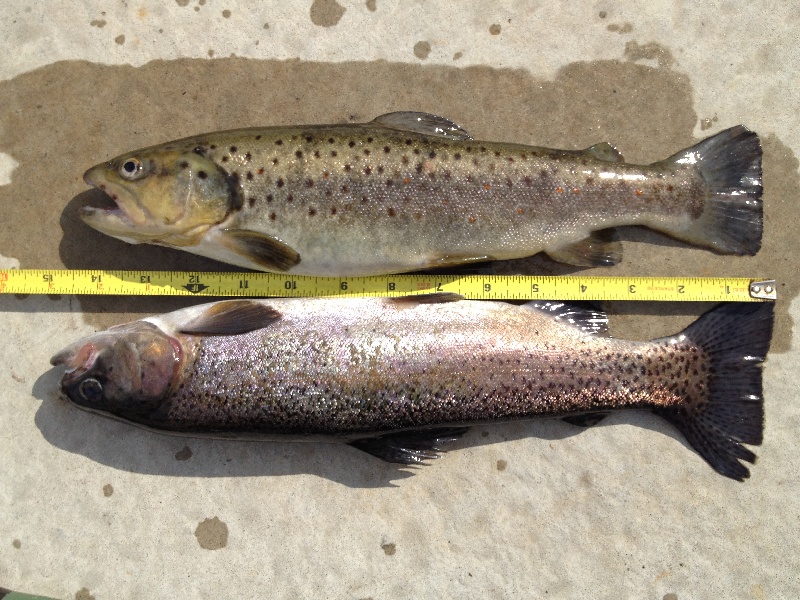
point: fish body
(397, 378)
(410, 191)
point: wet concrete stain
(108, 490)
(389, 549)
(422, 50)
(708, 123)
(652, 51)
(501, 465)
(617, 28)
(326, 13)
(670, 596)
(99, 23)
(457, 55)
(184, 453)
(120, 39)
(226, 14)
(372, 5)
(495, 29)
(212, 534)
(84, 594)
(89, 113)
(17, 544)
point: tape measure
(475, 287)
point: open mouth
(117, 212)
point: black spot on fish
(416, 150)
(249, 176)
(510, 159)
(316, 153)
(183, 164)
(252, 202)
(351, 143)
(447, 176)
(274, 161)
(330, 140)
(213, 146)
(202, 174)
(347, 167)
(380, 168)
(235, 191)
(432, 155)
(333, 210)
(279, 183)
(364, 200)
(367, 171)
(334, 153)
(389, 182)
(260, 171)
(233, 149)
(299, 154)
(366, 152)
(199, 150)
(248, 156)
(290, 198)
(391, 212)
(404, 159)
(497, 153)
(309, 138)
(345, 189)
(312, 211)
(224, 159)
(457, 155)
(309, 183)
(387, 149)
(269, 197)
(279, 142)
(258, 137)
(590, 180)
(418, 168)
(272, 216)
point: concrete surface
(95, 509)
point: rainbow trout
(398, 378)
(412, 191)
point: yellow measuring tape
(476, 287)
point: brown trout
(412, 191)
(398, 378)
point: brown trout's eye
(131, 168)
(91, 390)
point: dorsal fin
(434, 298)
(605, 152)
(424, 123)
(588, 320)
(231, 317)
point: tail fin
(736, 337)
(730, 164)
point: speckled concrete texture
(95, 508)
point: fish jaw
(123, 220)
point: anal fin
(410, 447)
(597, 250)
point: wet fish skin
(398, 378)
(409, 191)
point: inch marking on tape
(475, 287)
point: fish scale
(410, 191)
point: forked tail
(730, 165)
(729, 412)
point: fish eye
(91, 390)
(131, 168)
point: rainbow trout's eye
(91, 390)
(131, 169)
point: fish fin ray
(423, 123)
(732, 220)
(597, 250)
(588, 320)
(410, 447)
(589, 419)
(231, 317)
(736, 338)
(603, 151)
(433, 298)
(264, 250)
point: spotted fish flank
(401, 378)
(409, 191)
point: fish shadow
(129, 448)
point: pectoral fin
(597, 250)
(605, 152)
(410, 447)
(424, 123)
(264, 250)
(231, 317)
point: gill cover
(167, 197)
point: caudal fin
(730, 411)
(730, 164)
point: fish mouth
(122, 216)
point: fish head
(164, 196)
(127, 371)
